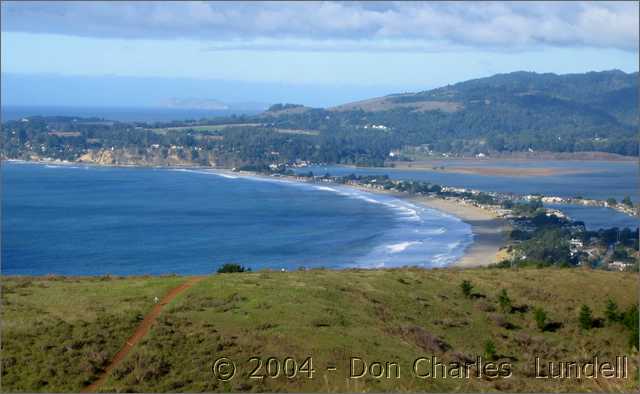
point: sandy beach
(489, 231)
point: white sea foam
(422, 237)
(397, 248)
(206, 172)
(60, 166)
(442, 259)
(226, 175)
(325, 188)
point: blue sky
(142, 53)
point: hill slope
(58, 333)
(614, 93)
(595, 111)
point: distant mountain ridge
(518, 111)
(614, 92)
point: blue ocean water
(118, 114)
(83, 220)
(600, 180)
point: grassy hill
(58, 333)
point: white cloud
(308, 26)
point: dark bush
(230, 268)
(585, 318)
(541, 318)
(490, 351)
(466, 287)
(611, 312)
(504, 301)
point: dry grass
(390, 316)
(387, 103)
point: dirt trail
(140, 332)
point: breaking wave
(420, 236)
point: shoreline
(490, 233)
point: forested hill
(516, 112)
(613, 93)
(595, 111)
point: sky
(314, 53)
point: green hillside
(595, 111)
(59, 333)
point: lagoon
(596, 180)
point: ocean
(600, 180)
(85, 220)
(119, 114)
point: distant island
(212, 104)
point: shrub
(466, 287)
(502, 264)
(585, 318)
(611, 312)
(631, 320)
(230, 268)
(490, 350)
(541, 318)
(504, 301)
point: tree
(611, 312)
(631, 320)
(504, 301)
(585, 318)
(541, 318)
(548, 245)
(627, 201)
(230, 268)
(466, 287)
(611, 201)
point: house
(574, 242)
(620, 265)
(551, 200)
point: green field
(204, 127)
(58, 333)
